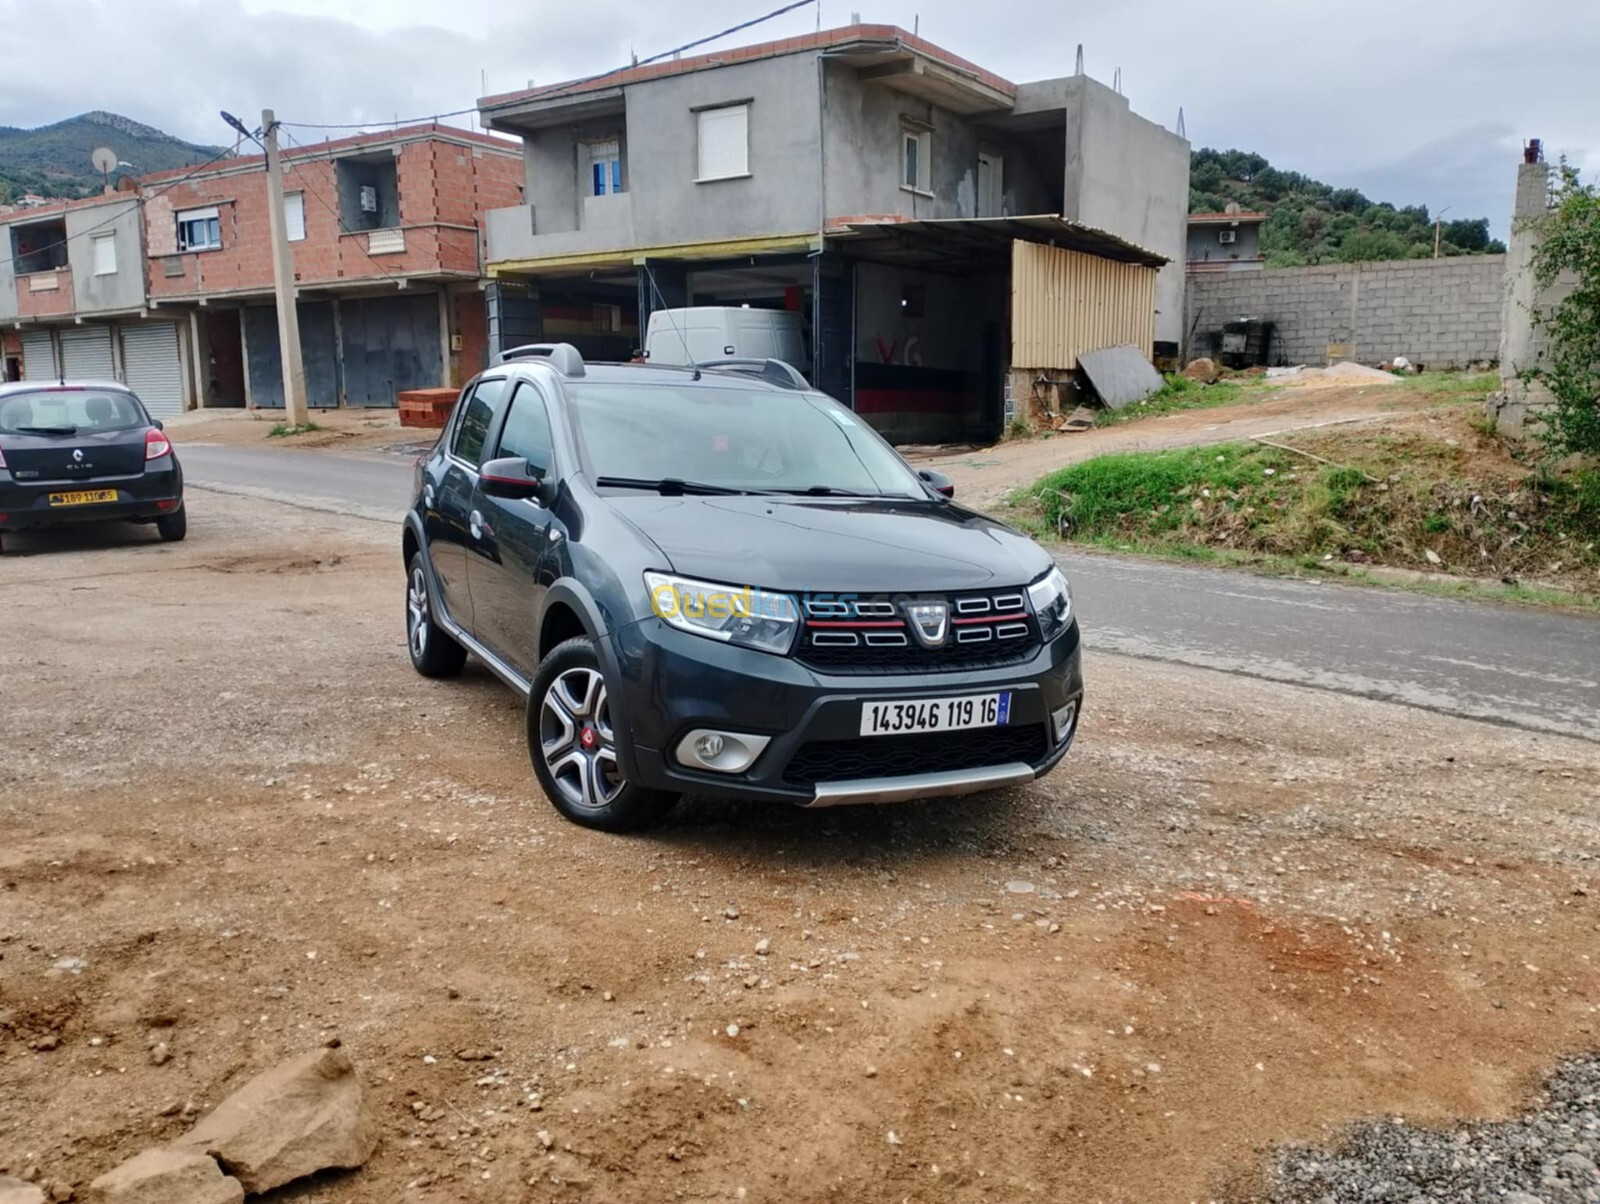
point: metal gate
(38, 355)
(389, 345)
(318, 354)
(152, 366)
(86, 354)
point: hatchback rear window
(70, 411)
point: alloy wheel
(417, 619)
(576, 740)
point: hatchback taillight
(156, 444)
(2, 458)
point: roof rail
(774, 372)
(563, 357)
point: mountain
(1312, 222)
(53, 160)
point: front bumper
(673, 683)
(145, 497)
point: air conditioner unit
(1227, 236)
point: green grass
(1181, 393)
(284, 429)
(1392, 500)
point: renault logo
(930, 621)
(77, 454)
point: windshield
(70, 411)
(734, 438)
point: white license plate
(935, 714)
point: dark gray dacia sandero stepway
(717, 581)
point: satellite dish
(104, 160)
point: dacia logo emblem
(930, 622)
(77, 454)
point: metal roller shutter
(152, 367)
(38, 355)
(86, 354)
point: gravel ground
(1545, 1156)
(233, 822)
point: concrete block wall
(1437, 312)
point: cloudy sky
(1413, 101)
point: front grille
(924, 752)
(874, 635)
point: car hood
(834, 545)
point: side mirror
(513, 478)
(937, 481)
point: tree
(1568, 251)
(1470, 234)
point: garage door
(318, 354)
(152, 368)
(390, 344)
(86, 354)
(38, 355)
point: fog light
(1065, 719)
(720, 752)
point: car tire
(574, 747)
(433, 652)
(173, 527)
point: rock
(1203, 370)
(763, 947)
(301, 1117)
(731, 913)
(1578, 1168)
(45, 1043)
(545, 1139)
(160, 1055)
(1519, 1197)
(166, 1175)
(1020, 888)
(475, 1055)
(1433, 557)
(19, 1191)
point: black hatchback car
(79, 452)
(717, 581)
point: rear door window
(477, 416)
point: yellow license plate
(84, 497)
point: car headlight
(1052, 601)
(751, 618)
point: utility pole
(1438, 222)
(294, 375)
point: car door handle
(475, 524)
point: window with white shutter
(105, 254)
(724, 142)
(294, 216)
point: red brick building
(386, 235)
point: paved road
(1524, 667)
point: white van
(715, 332)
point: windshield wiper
(673, 487)
(46, 430)
(829, 491)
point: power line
(307, 186)
(139, 200)
(558, 89)
(368, 125)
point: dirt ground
(234, 821)
(352, 430)
(985, 477)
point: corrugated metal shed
(1065, 302)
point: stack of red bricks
(426, 407)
